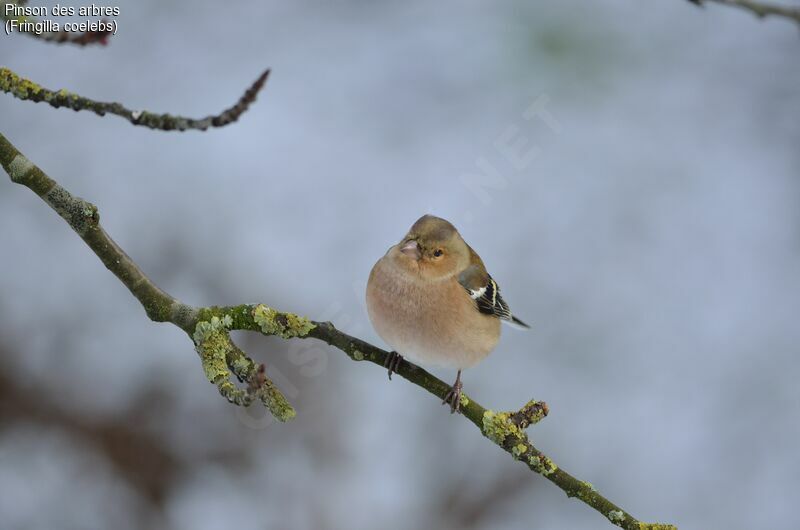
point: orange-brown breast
(428, 322)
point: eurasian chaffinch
(431, 299)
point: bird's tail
(517, 323)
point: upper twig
(26, 89)
(759, 9)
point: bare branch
(210, 329)
(25, 89)
(759, 9)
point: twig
(25, 89)
(533, 412)
(759, 9)
(210, 327)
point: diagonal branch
(759, 9)
(210, 329)
(25, 89)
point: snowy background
(648, 227)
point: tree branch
(210, 329)
(759, 9)
(25, 89)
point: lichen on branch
(27, 90)
(220, 357)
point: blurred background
(629, 171)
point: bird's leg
(453, 398)
(392, 363)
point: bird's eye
(438, 253)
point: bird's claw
(392, 363)
(453, 397)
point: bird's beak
(411, 249)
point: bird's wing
(486, 293)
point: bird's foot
(453, 397)
(392, 363)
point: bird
(432, 301)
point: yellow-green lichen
(616, 516)
(463, 400)
(518, 450)
(23, 88)
(286, 325)
(497, 426)
(277, 404)
(358, 355)
(533, 412)
(214, 346)
(212, 343)
(205, 328)
(587, 492)
(19, 167)
(18, 86)
(542, 464)
(241, 365)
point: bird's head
(433, 248)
